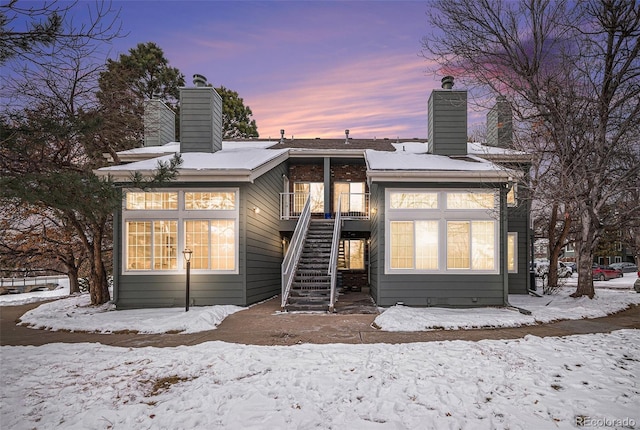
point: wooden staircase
(311, 287)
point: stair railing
(292, 256)
(333, 260)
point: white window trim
(180, 215)
(442, 215)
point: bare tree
(571, 72)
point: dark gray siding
(448, 122)
(430, 289)
(160, 290)
(263, 249)
(375, 264)
(159, 123)
(518, 222)
(200, 120)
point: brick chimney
(200, 117)
(447, 120)
(500, 124)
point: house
(426, 222)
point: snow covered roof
(411, 162)
(495, 153)
(146, 152)
(239, 164)
(386, 161)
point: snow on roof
(233, 163)
(409, 160)
(480, 149)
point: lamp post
(187, 257)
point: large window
(414, 245)
(160, 225)
(442, 231)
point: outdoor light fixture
(187, 257)
(256, 209)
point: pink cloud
(383, 96)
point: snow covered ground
(529, 383)
(75, 314)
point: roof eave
(439, 176)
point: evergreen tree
(236, 117)
(142, 74)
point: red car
(604, 273)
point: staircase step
(307, 308)
(324, 293)
(310, 285)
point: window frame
(347, 252)
(180, 215)
(298, 204)
(443, 215)
(351, 194)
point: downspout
(504, 235)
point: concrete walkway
(262, 324)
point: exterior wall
(457, 290)
(260, 258)
(376, 257)
(200, 120)
(448, 122)
(159, 123)
(141, 290)
(263, 251)
(518, 222)
(339, 172)
(305, 172)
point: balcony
(355, 206)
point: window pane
(138, 245)
(402, 241)
(338, 189)
(223, 239)
(414, 200)
(458, 245)
(470, 200)
(210, 201)
(301, 191)
(483, 245)
(426, 244)
(353, 198)
(316, 190)
(165, 239)
(354, 254)
(197, 239)
(512, 239)
(151, 201)
(511, 196)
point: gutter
(438, 176)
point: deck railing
(291, 258)
(354, 205)
(333, 260)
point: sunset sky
(312, 68)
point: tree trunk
(585, 258)
(98, 285)
(74, 285)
